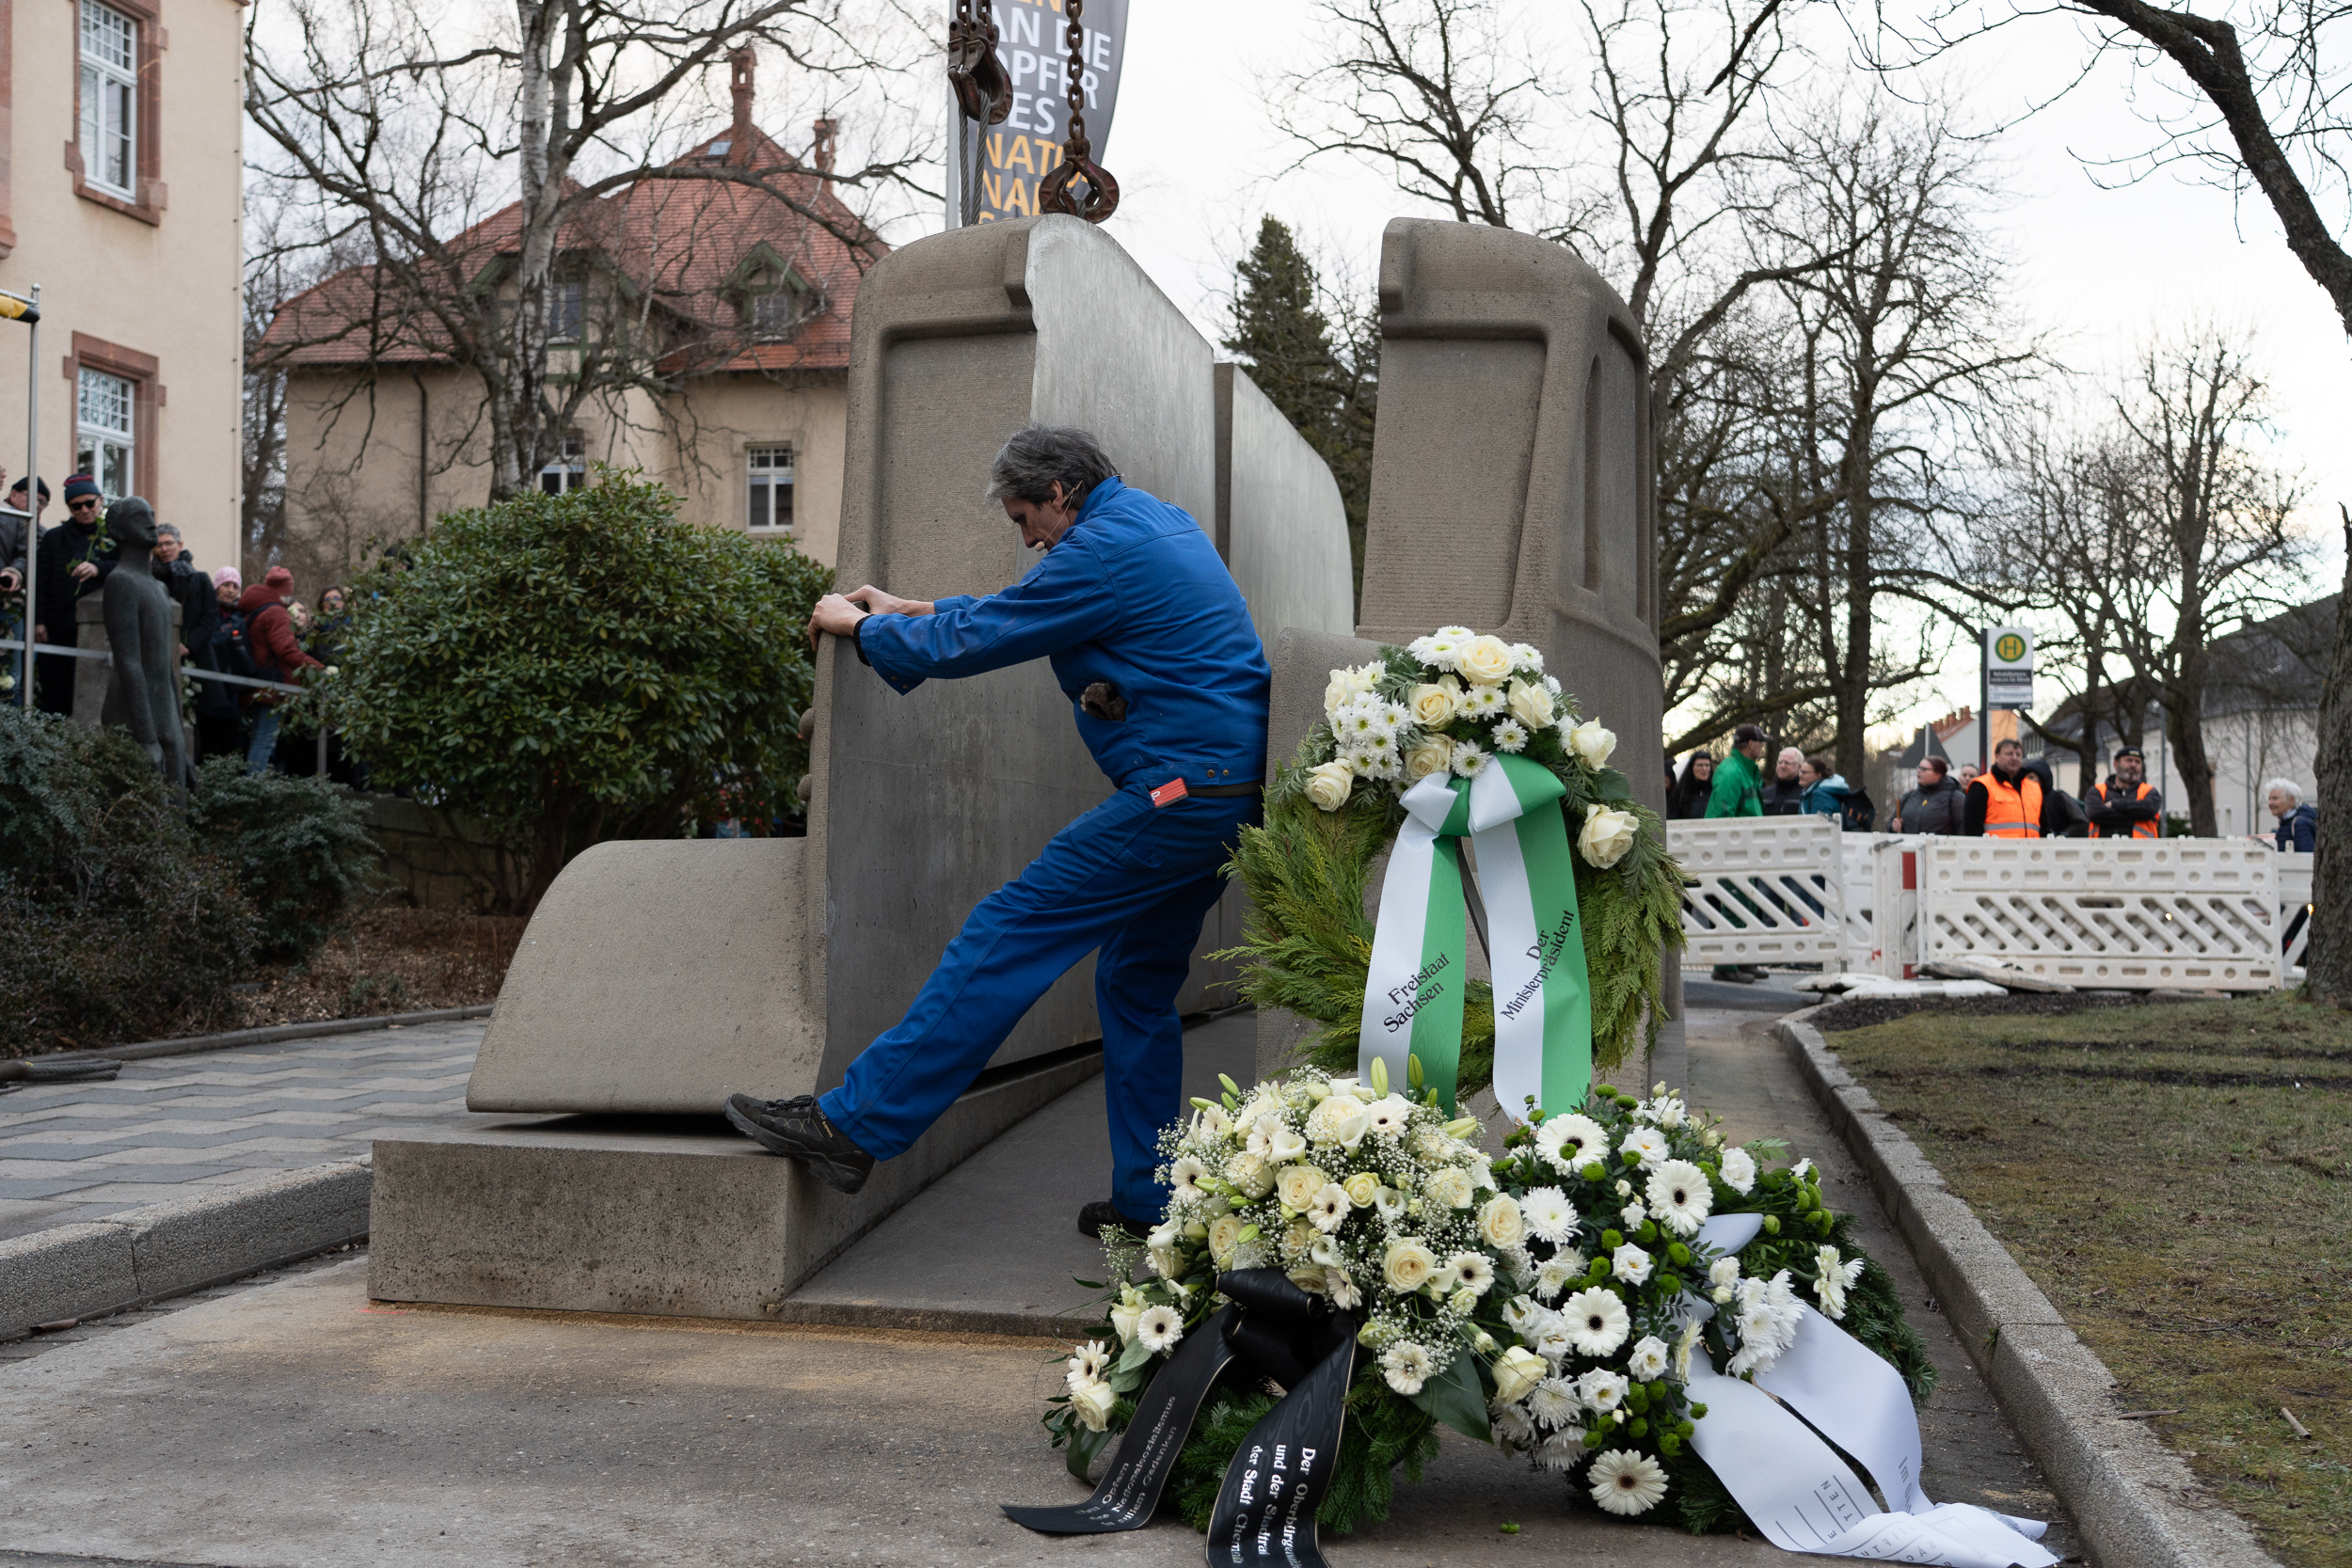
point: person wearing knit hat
(230, 576)
(277, 656)
(71, 563)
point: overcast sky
(1199, 160)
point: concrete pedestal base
(674, 1216)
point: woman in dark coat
(1688, 798)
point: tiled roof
(684, 240)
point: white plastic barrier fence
(1762, 890)
(2294, 906)
(2200, 913)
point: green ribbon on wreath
(1414, 989)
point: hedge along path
(2178, 1180)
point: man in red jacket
(270, 632)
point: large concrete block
(1511, 488)
(674, 1216)
(1280, 524)
(660, 976)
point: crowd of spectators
(259, 632)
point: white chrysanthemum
(1631, 1264)
(1556, 1403)
(1481, 701)
(1407, 1367)
(1260, 1139)
(1739, 1168)
(1562, 1450)
(1184, 1176)
(1159, 1328)
(1089, 1363)
(1552, 686)
(1513, 1429)
(1602, 1389)
(1647, 1360)
(1597, 1321)
(1473, 1271)
(1781, 1295)
(1724, 1271)
(1469, 759)
(1627, 1482)
(1560, 1271)
(1647, 1144)
(1328, 1209)
(1510, 736)
(1679, 1198)
(1526, 659)
(1633, 1214)
(1570, 1142)
(1210, 1121)
(1550, 1215)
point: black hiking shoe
(797, 1130)
(1095, 1218)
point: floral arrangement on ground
(1448, 705)
(1541, 1300)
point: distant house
(737, 305)
(133, 239)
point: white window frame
(568, 469)
(567, 308)
(761, 484)
(94, 432)
(109, 83)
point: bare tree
(405, 134)
(1905, 342)
(1648, 175)
(2261, 111)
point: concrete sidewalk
(180, 1125)
(308, 1425)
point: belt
(1253, 788)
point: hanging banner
(1004, 162)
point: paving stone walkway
(173, 1125)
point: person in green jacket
(1738, 783)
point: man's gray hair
(172, 528)
(1035, 460)
(2287, 787)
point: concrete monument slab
(659, 977)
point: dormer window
(772, 299)
(775, 313)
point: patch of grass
(2178, 1180)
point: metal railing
(16, 644)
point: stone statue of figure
(144, 691)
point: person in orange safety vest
(2127, 805)
(2009, 802)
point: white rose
(1501, 1220)
(1341, 1119)
(1362, 1188)
(1093, 1405)
(1608, 835)
(1433, 705)
(1530, 705)
(1328, 786)
(1516, 1373)
(1297, 1185)
(1485, 660)
(1123, 1318)
(1407, 1266)
(1592, 742)
(1251, 1175)
(1738, 1169)
(1432, 755)
(1450, 1187)
(1346, 683)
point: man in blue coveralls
(1150, 638)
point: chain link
(1077, 153)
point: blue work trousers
(1130, 878)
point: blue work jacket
(1134, 595)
